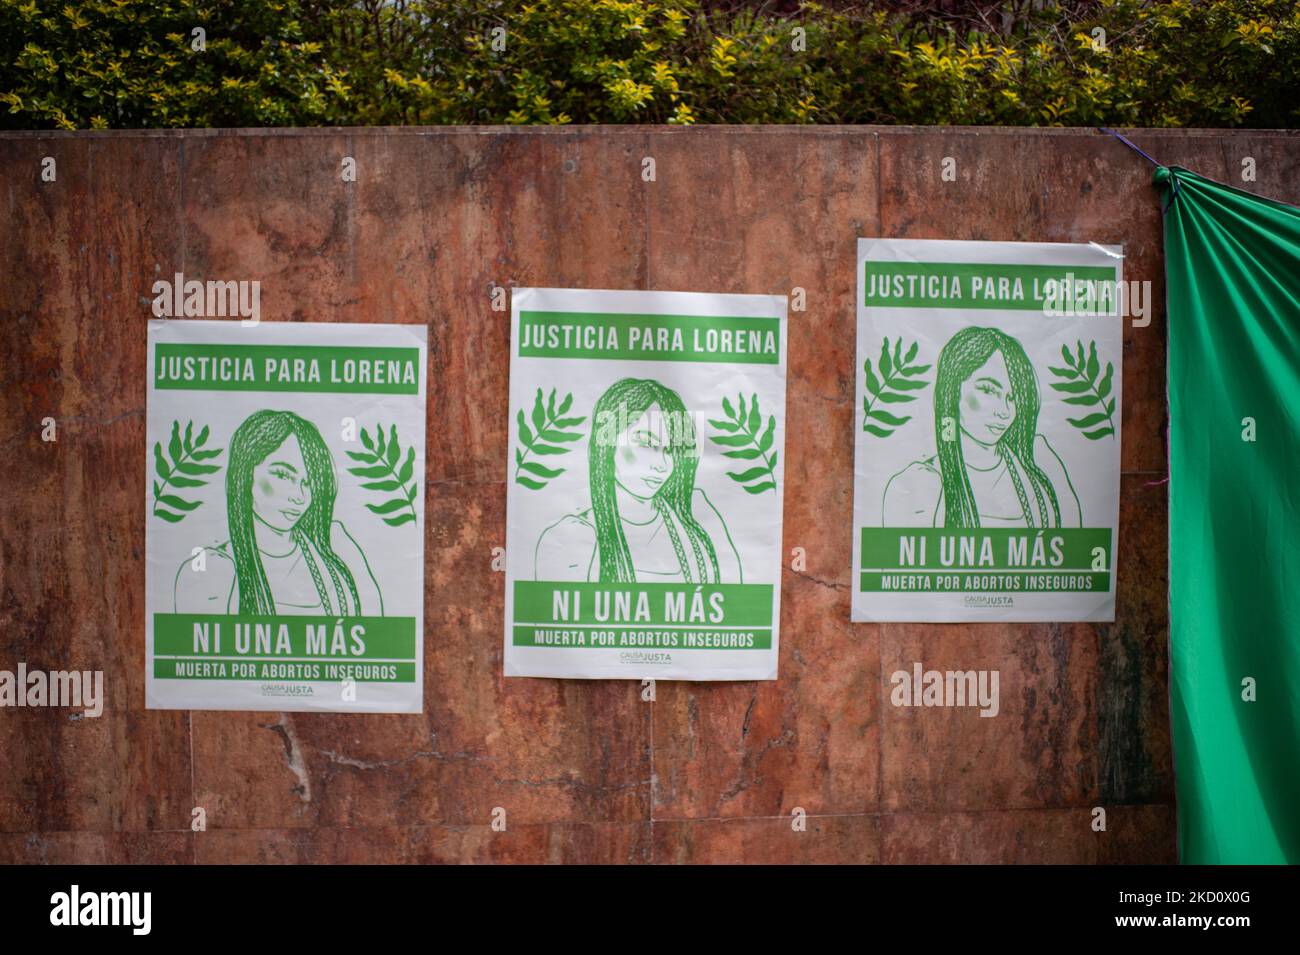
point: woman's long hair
(961, 357)
(619, 407)
(260, 434)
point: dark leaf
(545, 449)
(765, 442)
(377, 471)
(888, 418)
(878, 432)
(532, 467)
(563, 437)
(1063, 372)
(525, 435)
(529, 482)
(905, 384)
(365, 439)
(202, 439)
(189, 467)
(174, 445)
(176, 503)
(408, 466)
(389, 485)
(873, 385)
(744, 454)
(169, 516)
(188, 442)
(730, 440)
(1087, 400)
(884, 364)
(539, 412)
(749, 475)
(722, 425)
(400, 519)
(394, 449)
(759, 488)
(388, 507)
(178, 481)
(1103, 389)
(890, 398)
(1071, 387)
(160, 463)
(1089, 421)
(1099, 433)
(356, 456)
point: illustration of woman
(648, 522)
(286, 553)
(993, 468)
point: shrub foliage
(77, 64)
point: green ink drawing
(380, 463)
(897, 377)
(647, 522)
(181, 467)
(286, 554)
(749, 441)
(550, 430)
(1086, 386)
(992, 467)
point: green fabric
(1233, 276)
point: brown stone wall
(585, 770)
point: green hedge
(133, 63)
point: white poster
(987, 464)
(285, 516)
(645, 485)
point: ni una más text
(978, 550)
(276, 639)
(634, 606)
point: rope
(1173, 193)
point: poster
(285, 516)
(987, 460)
(645, 484)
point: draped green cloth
(1233, 276)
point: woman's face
(643, 460)
(281, 491)
(987, 405)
